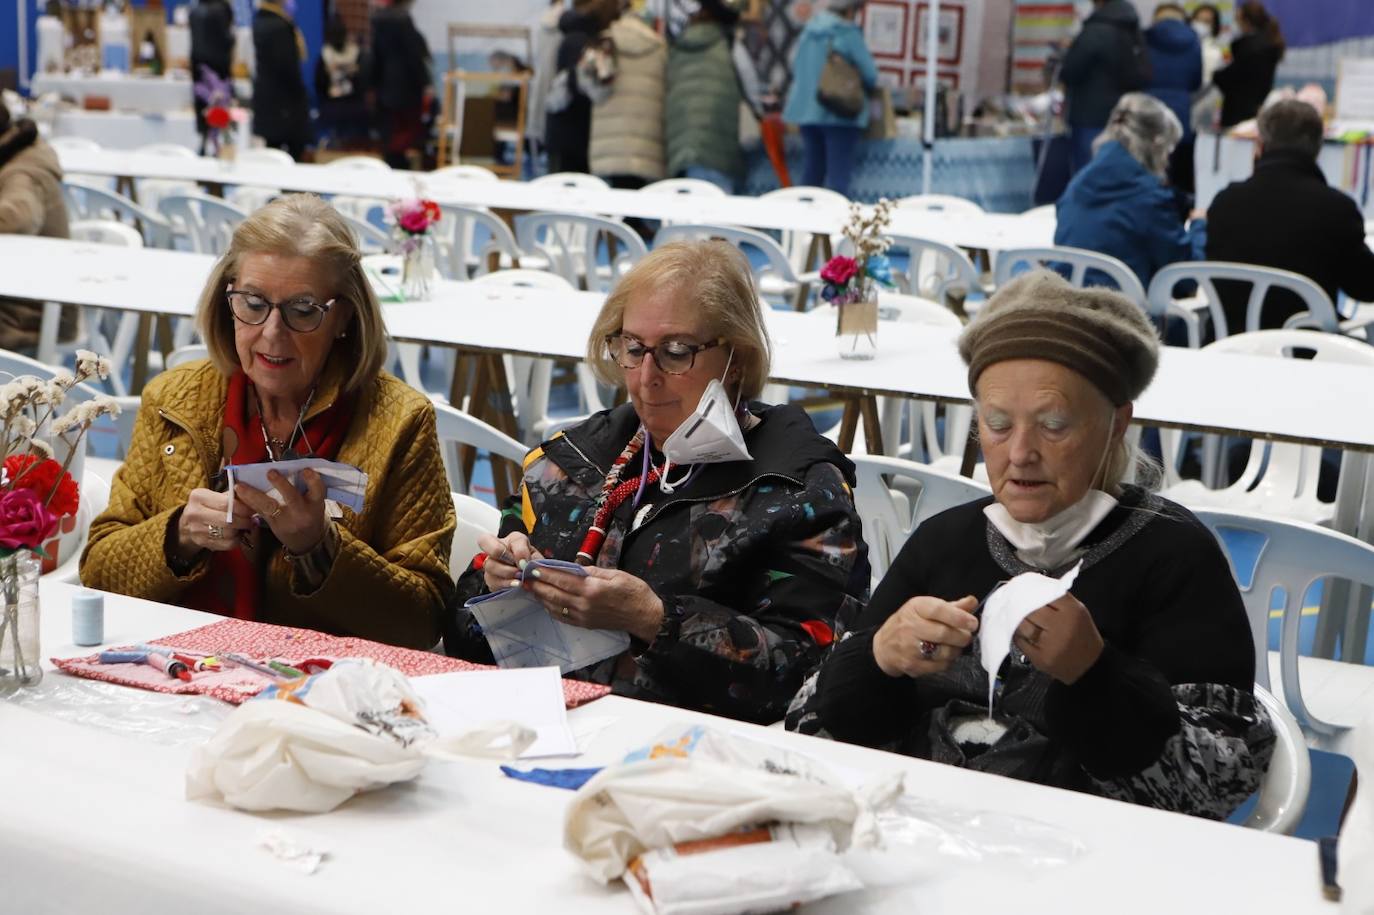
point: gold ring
(274, 514)
(565, 611)
(215, 532)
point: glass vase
(856, 328)
(21, 665)
(417, 267)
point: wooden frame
(451, 117)
(148, 20)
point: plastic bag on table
(311, 743)
(173, 720)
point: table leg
(873, 428)
(970, 452)
(849, 424)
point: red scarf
(234, 584)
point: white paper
(533, 697)
(344, 483)
(1007, 607)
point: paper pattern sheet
(521, 632)
(344, 483)
(1007, 607)
(459, 702)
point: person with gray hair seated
(1286, 216)
(1136, 685)
(1121, 205)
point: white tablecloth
(125, 91)
(119, 130)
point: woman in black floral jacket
(730, 584)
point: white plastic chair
(1048, 211)
(358, 208)
(798, 244)
(474, 518)
(465, 172)
(371, 240)
(1287, 783)
(570, 180)
(107, 331)
(1079, 261)
(569, 244)
(777, 282)
(457, 428)
(89, 201)
(689, 187)
(893, 497)
(936, 269)
(1320, 314)
(251, 198)
(1280, 478)
(1294, 556)
(209, 221)
(460, 254)
(940, 203)
(151, 191)
(946, 452)
(189, 353)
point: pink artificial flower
(25, 522)
(839, 270)
(416, 216)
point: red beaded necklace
(613, 494)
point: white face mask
(1204, 31)
(711, 435)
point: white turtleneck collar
(1053, 543)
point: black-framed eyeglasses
(302, 314)
(673, 357)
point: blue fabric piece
(1115, 207)
(829, 156)
(569, 779)
(1176, 67)
(825, 32)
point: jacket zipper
(711, 498)
(195, 443)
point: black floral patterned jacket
(757, 562)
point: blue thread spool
(88, 618)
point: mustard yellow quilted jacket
(390, 579)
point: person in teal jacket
(829, 140)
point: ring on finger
(566, 612)
(928, 650)
(273, 516)
(214, 530)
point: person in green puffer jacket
(707, 81)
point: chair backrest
(360, 162)
(798, 244)
(105, 232)
(940, 203)
(1320, 314)
(171, 150)
(691, 187)
(456, 428)
(910, 309)
(474, 518)
(536, 279)
(209, 221)
(1293, 557)
(264, 156)
(570, 180)
(470, 237)
(936, 269)
(89, 201)
(894, 496)
(466, 172)
(371, 240)
(571, 245)
(1288, 780)
(75, 144)
(1082, 264)
(777, 264)
(1048, 211)
(189, 353)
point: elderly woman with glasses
(718, 533)
(296, 345)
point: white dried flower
(83, 414)
(40, 448)
(23, 427)
(89, 364)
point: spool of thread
(88, 618)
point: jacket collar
(1290, 160)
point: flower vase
(20, 662)
(856, 327)
(417, 267)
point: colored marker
(123, 657)
(250, 664)
(286, 670)
(167, 665)
(196, 664)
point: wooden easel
(457, 81)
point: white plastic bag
(1356, 848)
(311, 744)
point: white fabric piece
(1051, 543)
(290, 848)
(1004, 610)
(1356, 848)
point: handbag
(841, 89)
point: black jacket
(1248, 79)
(756, 562)
(281, 108)
(1164, 718)
(400, 61)
(1285, 216)
(1106, 60)
(567, 132)
(212, 37)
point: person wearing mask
(1175, 74)
(1286, 216)
(30, 204)
(340, 84)
(623, 72)
(709, 74)
(1120, 204)
(211, 24)
(1247, 81)
(1106, 60)
(281, 110)
(1207, 101)
(567, 107)
(829, 138)
(402, 82)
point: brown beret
(1099, 333)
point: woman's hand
(504, 556)
(604, 599)
(298, 522)
(925, 636)
(1060, 639)
(202, 525)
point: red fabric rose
(25, 522)
(41, 479)
(217, 117)
(839, 270)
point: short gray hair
(1146, 127)
(1290, 124)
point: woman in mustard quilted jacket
(296, 346)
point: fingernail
(534, 573)
(514, 583)
(521, 564)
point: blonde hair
(299, 225)
(717, 279)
